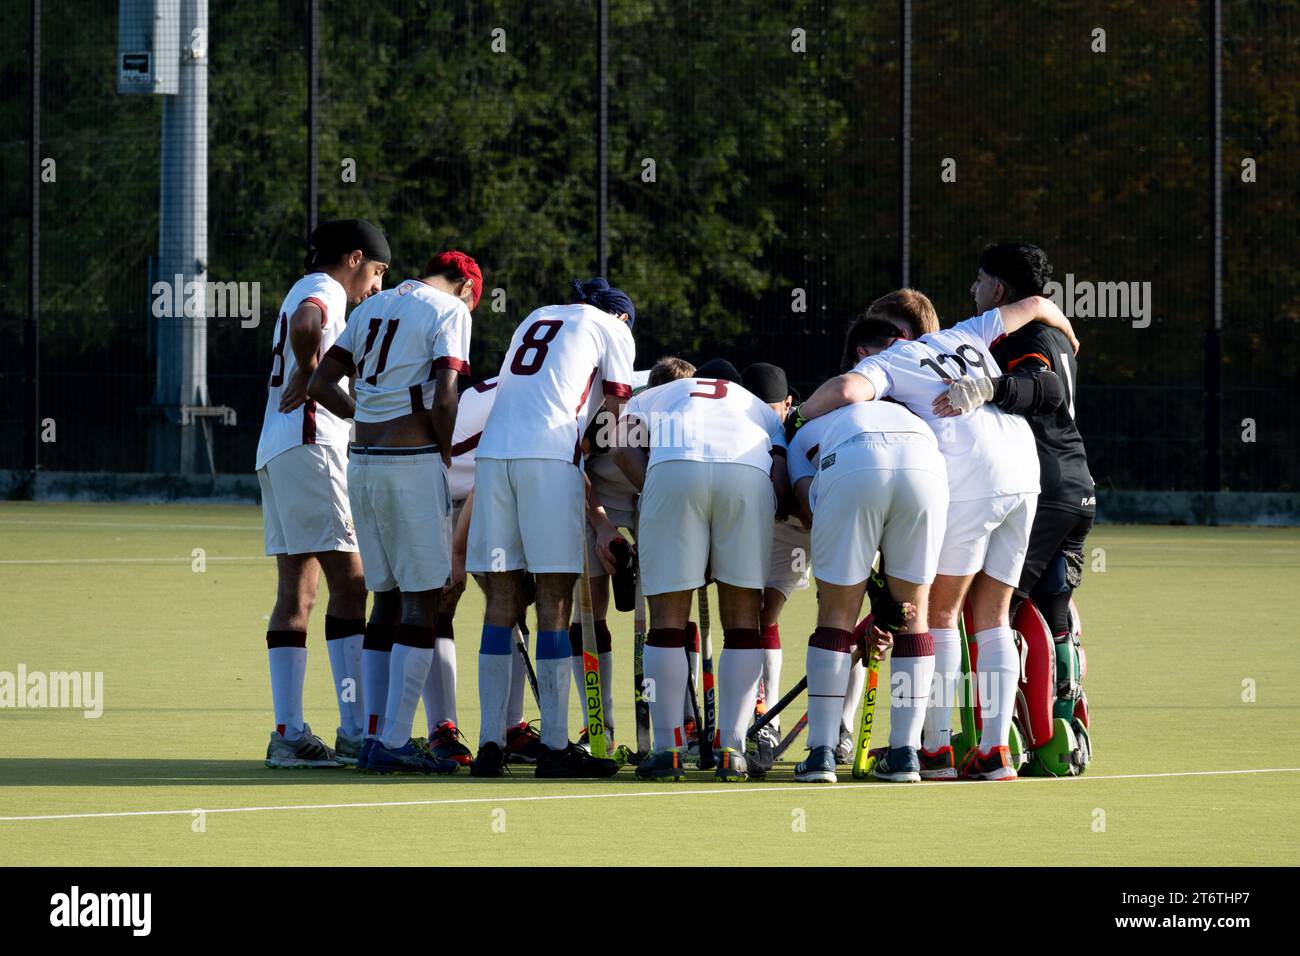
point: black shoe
(844, 750)
(571, 762)
(490, 762)
(760, 752)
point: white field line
(186, 559)
(665, 790)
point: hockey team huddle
(941, 476)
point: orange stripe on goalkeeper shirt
(1042, 358)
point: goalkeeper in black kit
(1038, 382)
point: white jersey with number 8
(562, 362)
(396, 342)
(988, 451)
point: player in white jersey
(301, 468)
(404, 349)
(872, 477)
(709, 458)
(529, 513)
(993, 485)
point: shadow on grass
(126, 772)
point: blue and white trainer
(818, 767)
(898, 765)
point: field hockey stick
(775, 710)
(595, 706)
(962, 742)
(790, 738)
(695, 700)
(710, 693)
(862, 759)
(522, 648)
(642, 706)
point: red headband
(463, 264)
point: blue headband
(597, 292)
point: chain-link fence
(756, 176)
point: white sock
(440, 689)
(772, 676)
(738, 671)
(852, 700)
(999, 674)
(665, 668)
(374, 681)
(494, 663)
(947, 680)
(554, 667)
(288, 674)
(345, 665)
(828, 682)
(518, 681)
(408, 669)
(910, 680)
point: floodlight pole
(1214, 335)
(905, 143)
(313, 84)
(602, 136)
(31, 431)
(182, 360)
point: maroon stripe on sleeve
(324, 309)
(452, 363)
(618, 390)
(341, 355)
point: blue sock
(494, 664)
(553, 654)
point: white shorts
(889, 495)
(791, 557)
(991, 535)
(624, 520)
(403, 508)
(529, 514)
(698, 514)
(305, 506)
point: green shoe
(730, 766)
(661, 765)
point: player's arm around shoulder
(1036, 308)
(852, 386)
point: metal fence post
(1214, 335)
(31, 430)
(905, 143)
(602, 136)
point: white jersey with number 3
(396, 342)
(308, 424)
(705, 419)
(562, 362)
(988, 451)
